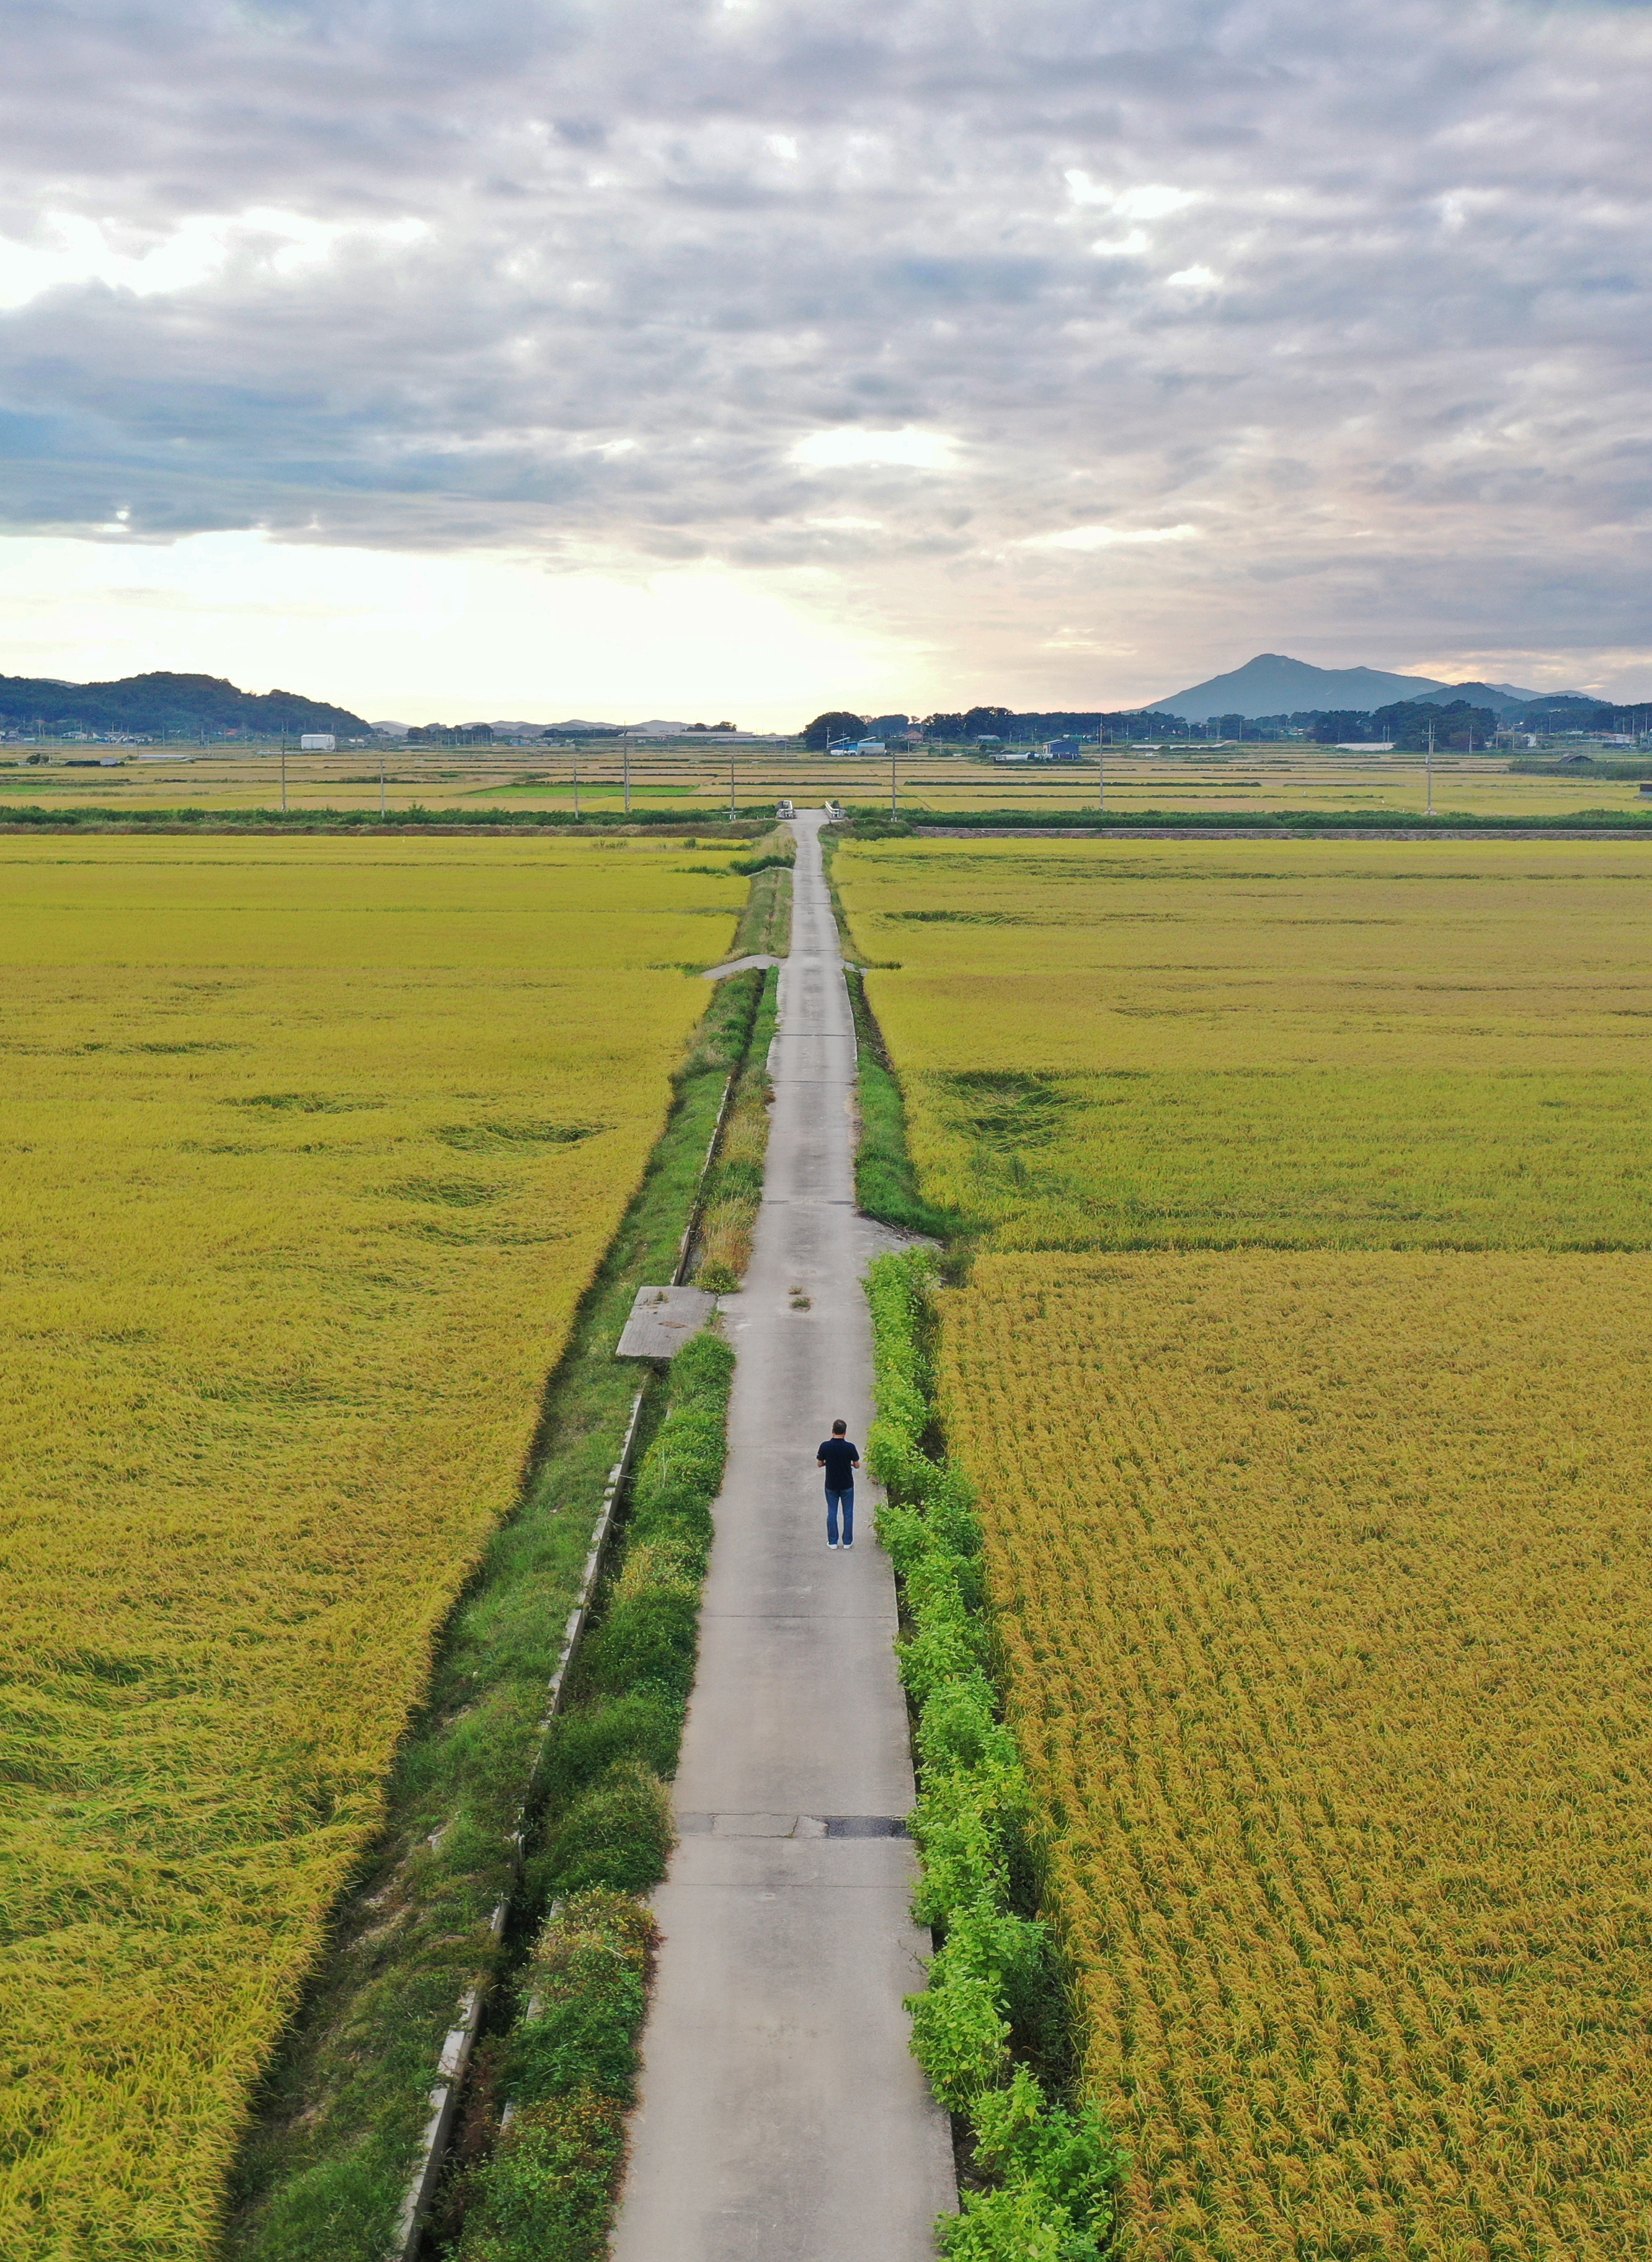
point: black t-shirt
(840, 1458)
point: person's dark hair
(840, 1428)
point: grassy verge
(1041, 2172)
(338, 2122)
(873, 825)
(734, 1185)
(1584, 772)
(766, 923)
(776, 851)
(885, 1182)
(751, 825)
(545, 2188)
(539, 2187)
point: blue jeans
(845, 1500)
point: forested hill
(175, 704)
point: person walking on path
(839, 1458)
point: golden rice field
(1142, 1044)
(1322, 1582)
(1304, 1374)
(310, 1148)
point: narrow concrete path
(781, 2113)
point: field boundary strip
(885, 1179)
(460, 2039)
(749, 825)
(1487, 828)
(545, 2128)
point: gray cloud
(580, 279)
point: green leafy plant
(550, 2188)
(617, 1834)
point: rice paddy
(1322, 1580)
(311, 1148)
(1301, 1369)
(1112, 1044)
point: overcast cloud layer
(1065, 353)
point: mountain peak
(1274, 683)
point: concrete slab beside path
(739, 965)
(781, 2113)
(662, 1320)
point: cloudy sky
(450, 357)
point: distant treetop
(829, 728)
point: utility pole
(1102, 766)
(730, 785)
(1431, 769)
(625, 743)
(381, 779)
(894, 809)
(576, 781)
(284, 773)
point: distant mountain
(1273, 684)
(653, 730)
(179, 705)
(1503, 699)
(572, 727)
(575, 723)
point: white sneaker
(832, 1542)
(848, 1542)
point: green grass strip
(994, 2028)
(337, 2124)
(750, 824)
(766, 923)
(873, 825)
(545, 2192)
(885, 1182)
(541, 2189)
(734, 1182)
(776, 851)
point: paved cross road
(782, 2118)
